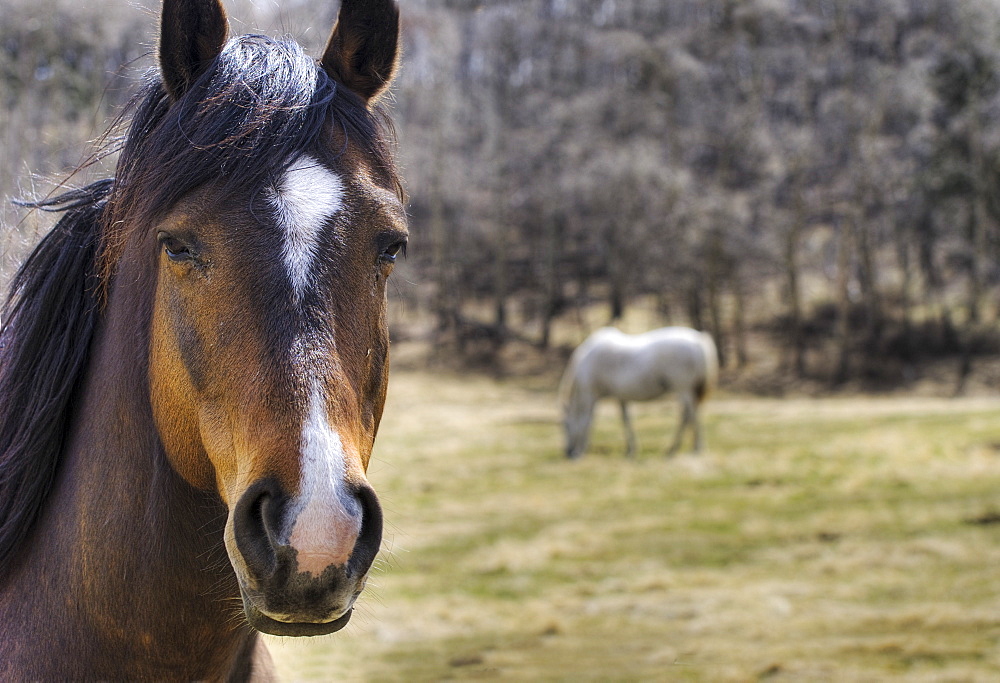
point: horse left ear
(363, 50)
(192, 34)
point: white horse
(639, 367)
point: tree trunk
(862, 241)
(444, 310)
(694, 305)
(739, 321)
(616, 273)
(843, 331)
(714, 271)
(977, 249)
(906, 291)
(792, 238)
(495, 144)
(553, 284)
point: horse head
(268, 339)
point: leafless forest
(816, 174)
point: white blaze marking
(307, 197)
(327, 517)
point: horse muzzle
(295, 582)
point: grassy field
(833, 539)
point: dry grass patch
(816, 540)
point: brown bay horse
(193, 365)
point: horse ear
(192, 34)
(363, 50)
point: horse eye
(389, 255)
(174, 248)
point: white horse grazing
(638, 367)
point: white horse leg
(578, 426)
(629, 434)
(686, 411)
(691, 417)
(696, 425)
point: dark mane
(256, 107)
(48, 321)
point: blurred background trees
(810, 180)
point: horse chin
(265, 624)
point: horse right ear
(192, 34)
(364, 47)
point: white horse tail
(711, 379)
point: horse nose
(257, 526)
(370, 539)
(344, 532)
(340, 527)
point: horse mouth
(275, 627)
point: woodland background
(814, 181)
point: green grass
(814, 540)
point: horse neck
(134, 550)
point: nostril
(370, 539)
(256, 525)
